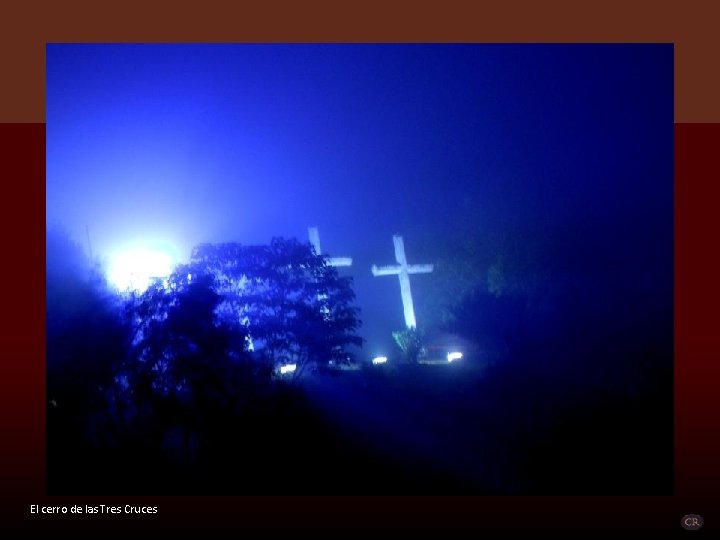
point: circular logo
(692, 522)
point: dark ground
(449, 429)
(405, 430)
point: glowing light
(134, 269)
(403, 271)
(454, 356)
(287, 368)
(379, 360)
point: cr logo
(692, 522)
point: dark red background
(697, 366)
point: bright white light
(454, 356)
(287, 368)
(379, 360)
(134, 269)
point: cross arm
(340, 261)
(385, 270)
(419, 268)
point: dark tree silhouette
(86, 341)
(186, 375)
(197, 387)
(295, 306)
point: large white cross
(314, 237)
(403, 271)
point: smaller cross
(314, 237)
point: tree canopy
(275, 304)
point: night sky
(180, 144)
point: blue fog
(181, 144)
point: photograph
(359, 269)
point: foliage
(179, 348)
(501, 263)
(217, 326)
(410, 342)
(205, 340)
(164, 384)
(485, 286)
(295, 307)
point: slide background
(25, 29)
